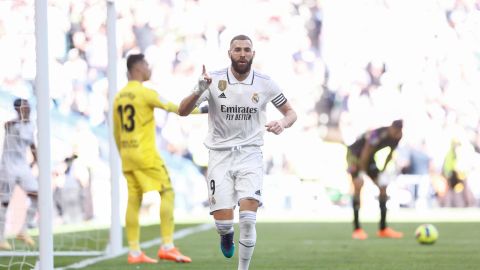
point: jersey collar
(232, 80)
(133, 82)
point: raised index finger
(204, 71)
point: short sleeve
(277, 97)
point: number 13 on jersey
(127, 117)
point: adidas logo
(222, 95)
(258, 193)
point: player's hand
(203, 82)
(275, 127)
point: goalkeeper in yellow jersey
(144, 169)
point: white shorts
(234, 175)
(16, 174)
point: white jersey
(237, 110)
(18, 138)
(14, 168)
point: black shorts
(353, 166)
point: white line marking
(55, 253)
(180, 234)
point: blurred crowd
(347, 66)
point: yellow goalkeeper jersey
(134, 125)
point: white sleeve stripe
(280, 103)
(279, 100)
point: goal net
(80, 187)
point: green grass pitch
(301, 246)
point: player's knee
(224, 226)
(248, 203)
(357, 184)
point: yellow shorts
(148, 179)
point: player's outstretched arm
(290, 116)
(189, 103)
(168, 106)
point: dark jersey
(377, 138)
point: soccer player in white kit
(15, 169)
(237, 99)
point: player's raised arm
(290, 116)
(189, 103)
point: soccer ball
(426, 234)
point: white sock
(224, 226)
(248, 238)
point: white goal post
(46, 252)
(115, 245)
(43, 122)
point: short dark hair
(240, 37)
(17, 103)
(398, 123)
(132, 59)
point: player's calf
(248, 238)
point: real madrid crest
(222, 85)
(255, 98)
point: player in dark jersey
(362, 164)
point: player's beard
(239, 69)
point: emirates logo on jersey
(255, 98)
(222, 85)
(238, 112)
